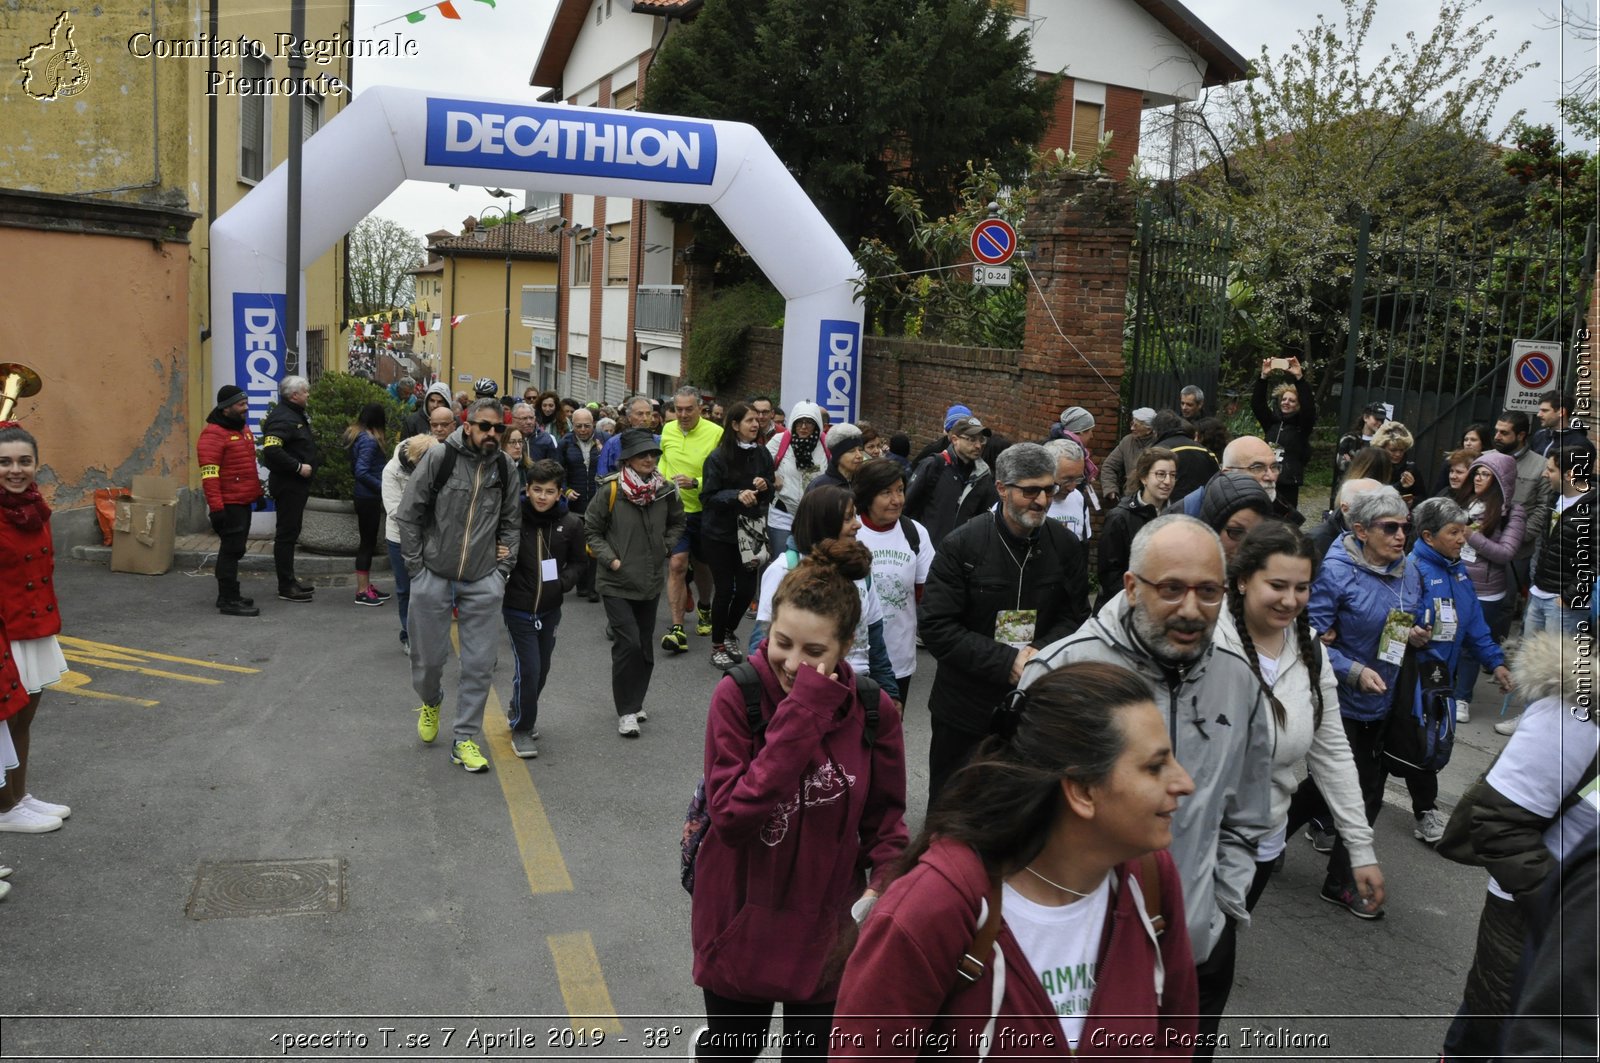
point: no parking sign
(1535, 369)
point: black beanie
(229, 394)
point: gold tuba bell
(20, 383)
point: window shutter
(617, 253)
(626, 99)
(1086, 128)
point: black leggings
(735, 584)
(368, 512)
(738, 1029)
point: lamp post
(507, 218)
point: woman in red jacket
(1043, 860)
(31, 621)
(803, 807)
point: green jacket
(640, 536)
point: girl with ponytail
(806, 793)
(1044, 861)
(1269, 584)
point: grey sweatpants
(478, 627)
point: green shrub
(335, 400)
(715, 349)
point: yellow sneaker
(466, 754)
(428, 723)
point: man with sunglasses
(460, 526)
(1160, 627)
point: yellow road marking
(78, 684)
(101, 662)
(107, 649)
(583, 987)
(536, 838)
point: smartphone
(1281, 363)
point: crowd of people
(1148, 678)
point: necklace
(1057, 885)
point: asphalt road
(535, 901)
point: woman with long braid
(1269, 584)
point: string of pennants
(445, 8)
(399, 323)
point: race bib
(1392, 643)
(1015, 627)
(1468, 554)
(1444, 620)
(547, 570)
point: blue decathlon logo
(839, 369)
(258, 347)
(634, 147)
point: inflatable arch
(388, 135)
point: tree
(381, 253)
(856, 97)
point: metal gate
(1433, 315)
(1180, 309)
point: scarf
(1091, 471)
(639, 491)
(804, 449)
(27, 510)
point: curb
(305, 564)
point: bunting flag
(422, 327)
(458, 319)
(437, 324)
(446, 9)
(387, 330)
(403, 329)
(360, 333)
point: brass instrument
(20, 383)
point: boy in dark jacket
(549, 562)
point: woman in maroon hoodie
(802, 813)
(1060, 822)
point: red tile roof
(523, 239)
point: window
(1086, 128)
(617, 253)
(312, 120)
(626, 99)
(255, 123)
(599, 11)
(1013, 7)
(582, 262)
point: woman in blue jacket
(1368, 596)
(365, 441)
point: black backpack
(447, 465)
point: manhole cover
(227, 888)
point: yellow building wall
(476, 347)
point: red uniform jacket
(901, 994)
(13, 699)
(228, 466)
(795, 827)
(28, 606)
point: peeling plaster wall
(104, 321)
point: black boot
(231, 594)
(231, 604)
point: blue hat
(954, 414)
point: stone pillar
(1081, 228)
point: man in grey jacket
(1161, 627)
(459, 529)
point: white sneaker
(628, 726)
(5, 872)
(1507, 726)
(1430, 826)
(44, 808)
(1463, 715)
(24, 820)
(641, 716)
(5, 889)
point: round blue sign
(1535, 369)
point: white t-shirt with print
(871, 609)
(896, 574)
(1062, 945)
(1073, 512)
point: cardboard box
(146, 527)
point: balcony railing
(539, 303)
(659, 308)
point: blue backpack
(1421, 729)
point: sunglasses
(1032, 492)
(490, 426)
(1392, 527)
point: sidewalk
(198, 553)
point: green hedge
(336, 399)
(716, 341)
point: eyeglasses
(1033, 491)
(1391, 527)
(1258, 468)
(489, 426)
(1069, 483)
(1173, 592)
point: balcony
(539, 302)
(659, 308)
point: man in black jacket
(1002, 585)
(949, 488)
(290, 454)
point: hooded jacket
(1495, 552)
(641, 536)
(554, 534)
(1446, 586)
(801, 823)
(1563, 562)
(1227, 494)
(1217, 718)
(1129, 515)
(366, 464)
(901, 996)
(416, 422)
(1352, 598)
(227, 463)
(946, 492)
(795, 479)
(395, 475)
(455, 533)
(1291, 434)
(1300, 738)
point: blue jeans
(533, 642)
(1495, 614)
(1546, 614)
(402, 582)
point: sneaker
(428, 723)
(368, 597)
(721, 658)
(1463, 712)
(237, 607)
(1430, 827)
(24, 820)
(405, 644)
(1507, 727)
(702, 625)
(732, 642)
(1352, 901)
(750, 613)
(628, 726)
(524, 744)
(1321, 840)
(5, 872)
(45, 808)
(675, 641)
(376, 593)
(642, 715)
(5, 890)
(294, 594)
(467, 754)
